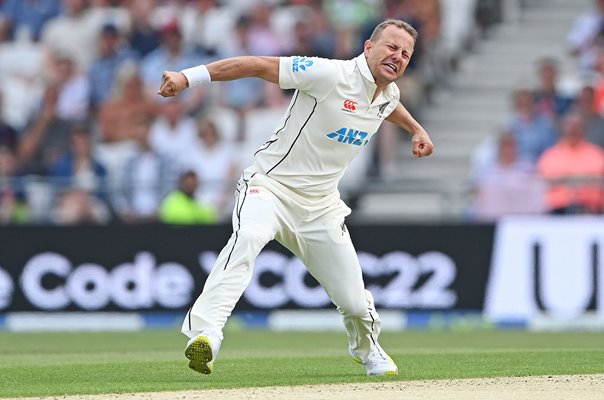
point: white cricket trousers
(314, 231)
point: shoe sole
(385, 373)
(200, 355)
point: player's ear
(367, 46)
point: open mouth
(391, 67)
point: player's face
(389, 55)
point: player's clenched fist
(172, 83)
(422, 145)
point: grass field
(36, 364)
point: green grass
(36, 364)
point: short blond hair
(396, 22)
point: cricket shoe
(378, 362)
(201, 352)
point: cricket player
(290, 193)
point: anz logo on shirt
(349, 136)
(301, 63)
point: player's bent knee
(354, 310)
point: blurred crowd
(84, 137)
(548, 157)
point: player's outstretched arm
(229, 69)
(422, 145)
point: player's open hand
(422, 145)
(172, 83)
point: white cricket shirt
(328, 122)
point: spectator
(347, 17)
(308, 26)
(22, 73)
(13, 203)
(128, 104)
(548, 99)
(78, 206)
(112, 55)
(207, 26)
(166, 12)
(147, 178)
(181, 208)
(8, 134)
(31, 15)
(310, 38)
(262, 38)
(73, 102)
(507, 186)
(173, 133)
(574, 169)
(112, 12)
(77, 167)
(303, 39)
(429, 13)
(586, 36)
(213, 160)
(534, 133)
(172, 54)
(72, 32)
(45, 139)
(599, 82)
(248, 93)
(143, 38)
(592, 121)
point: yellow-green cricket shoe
(201, 352)
(378, 363)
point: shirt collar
(370, 85)
(364, 68)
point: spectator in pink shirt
(507, 186)
(575, 171)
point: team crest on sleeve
(301, 63)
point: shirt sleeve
(312, 75)
(395, 94)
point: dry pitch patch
(559, 387)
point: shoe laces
(377, 355)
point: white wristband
(197, 75)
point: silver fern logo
(301, 63)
